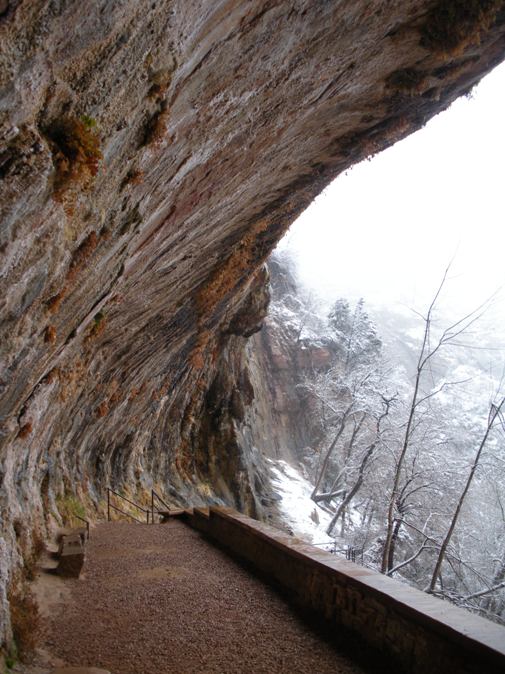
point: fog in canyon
(387, 232)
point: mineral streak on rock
(151, 155)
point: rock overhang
(150, 161)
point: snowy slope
(296, 506)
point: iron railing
(351, 554)
(155, 495)
(86, 522)
(333, 544)
(111, 506)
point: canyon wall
(151, 156)
(282, 360)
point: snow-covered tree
(406, 465)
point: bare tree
(347, 398)
(419, 398)
(369, 451)
(409, 478)
(495, 414)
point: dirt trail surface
(161, 600)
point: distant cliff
(282, 356)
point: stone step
(173, 512)
(70, 542)
(76, 531)
(70, 555)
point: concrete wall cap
(464, 631)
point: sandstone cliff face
(281, 358)
(151, 155)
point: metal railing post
(86, 522)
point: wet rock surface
(150, 159)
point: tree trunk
(323, 468)
(494, 413)
(490, 603)
(361, 472)
(392, 547)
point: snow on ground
(299, 511)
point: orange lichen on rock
(72, 379)
(51, 376)
(161, 80)
(160, 392)
(76, 151)
(102, 410)
(453, 25)
(135, 177)
(53, 303)
(114, 391)
(50, 334)
(81, 255)
(25, 430)
(24, 617)
(225, 278)
(133, 393)
(246, 255)
(77, 263)
(115, 398)
(97, 327)
(136, 391)
(184, 458)
(196, 358)
(156, 130)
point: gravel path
(161, 600)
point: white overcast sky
(387, 228)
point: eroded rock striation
(151, 155)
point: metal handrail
(87, 524)
(351, 553)
(136, 505)
(153, 495)
(333, 546)
(124, 513)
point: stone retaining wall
(420, 633)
